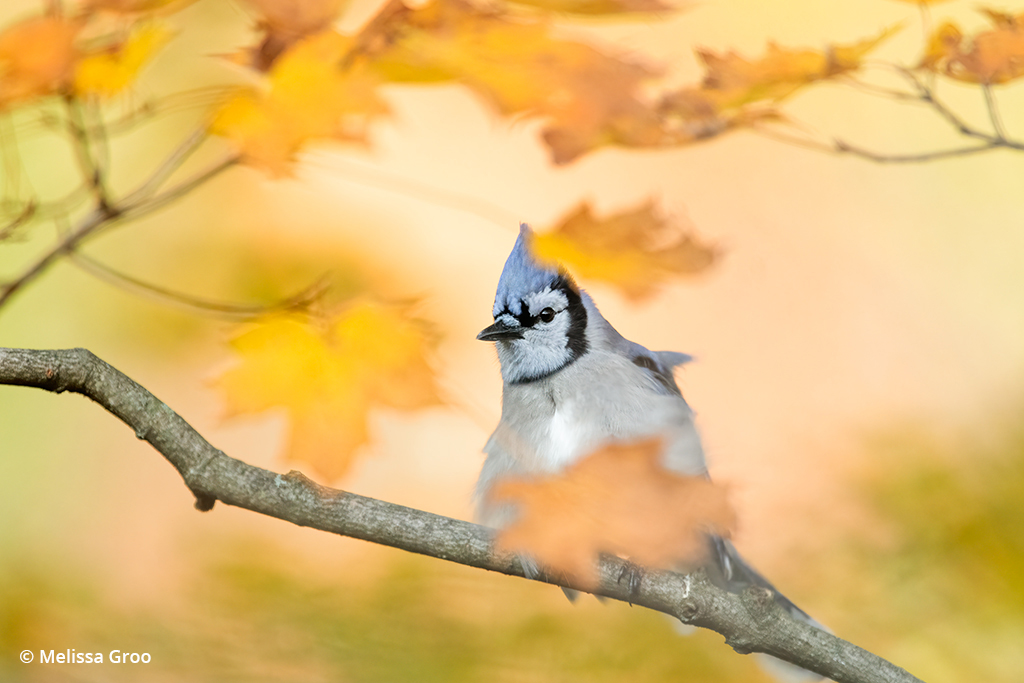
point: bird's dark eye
(547, 315)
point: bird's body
(572, 383)
(616, 391)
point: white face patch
(544, 347)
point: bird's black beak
(500, 331)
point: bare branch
(299, 301)
(751, 621)
(171, 164)
(993, 112)
(881, 91)
(842, 147)
(104, 217)
(83, 145)
(21, 219)
(87, 226)
(924, 94)
(928, 96)
(794, 140)
(131, 210)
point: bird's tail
(731, 572)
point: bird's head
(540, 322)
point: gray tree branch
(750, 621)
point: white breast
(567, 436)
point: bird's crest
(522, 275)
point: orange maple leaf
(635, 250)
(308, 95)
(329, 378)
(587, 97)
(990, 57)
(37, 57)
(619, 500)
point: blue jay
(571, 384)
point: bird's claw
(634, 574)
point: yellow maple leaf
(738, 92)
(635, 250)
(37, 57)
(923, 2)
(737, 80)
(308, 95)
(619, 500)
(328, 379)
(106, 73)
(990, 57)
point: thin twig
(928, 96)
(86, 226)
(97, 130)
(301, 300)
(137, 204)
(993, 112)
(778, 136)
(45, 210)
(171, 164)
(880, 91)
(21, 219)
(181, 101)
(106, 216)
(926, 20)
(87, 162)
(842, 147)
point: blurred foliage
(254, 614)
(329, 375)
(937, 581)
(636, 250)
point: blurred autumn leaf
(620, 500)
(737, 80)
(635, 250)
(113, 69)
(330, 377)
(307, 95)
(993, 56)
(737, 92)
(285, 22)
(37, 57)
(587, 97)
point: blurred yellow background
(858, 384)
